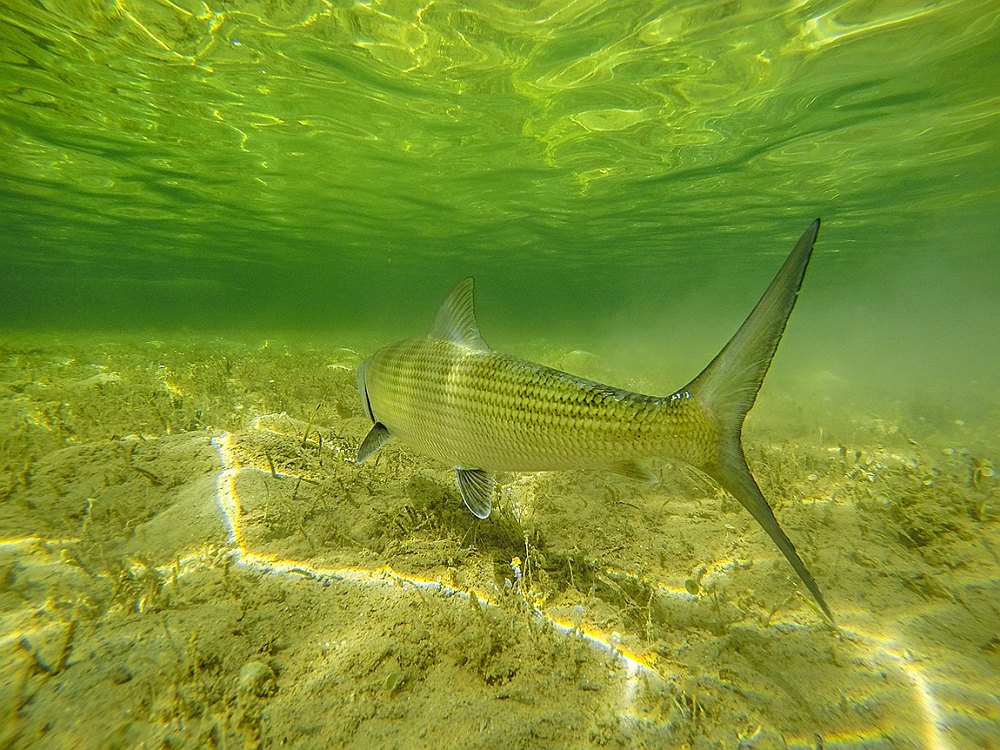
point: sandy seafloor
(189, 558)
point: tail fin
(728, 387)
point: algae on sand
(189, 557)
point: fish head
(366, 402)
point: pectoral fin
(375, 439)
(476, 487)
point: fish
(449, 396)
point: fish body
(449, 396)
(478, 409)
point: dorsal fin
(456, 319)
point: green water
(316, 166)
(259, 184)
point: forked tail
(728, 387)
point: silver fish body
(480, 409)
(449, 396)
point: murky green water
(318, 165)
(622, 179)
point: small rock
(256, 679)
(120, 674)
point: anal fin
(635, 470)
(476, 487)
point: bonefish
(449, 396)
